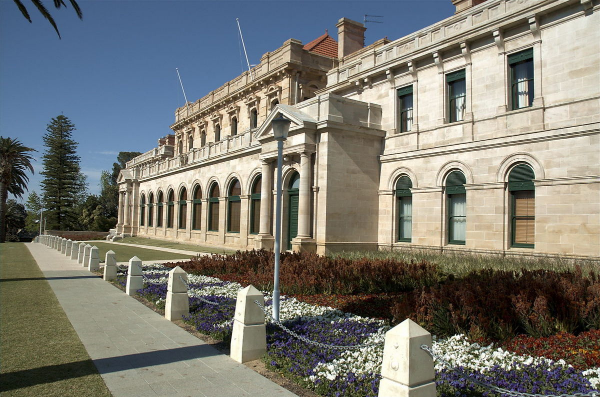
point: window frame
(402, 193)
(142, 209)
(231, 201)
(403, 94)
(197, 206)
(455, 188)
(254, 198)
(150, 210)
(182, 218)
(159, 210)
(452, 79)
(212, 202)
(520, 179)
(170, 209)
(513, 60)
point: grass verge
(41, 352)
(126, 252)
(174, 245)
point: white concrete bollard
(74, 250)
(69, 247)
(110, 266)
(81, 253)
(86, 255)
(178, 303)
(60, 244)
(63, 246)
(135, 280)
(249, 338)
(94, 261)
(407, 370)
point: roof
(323, 45)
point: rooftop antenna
(184, 96)
(365, 20)
(244, 45)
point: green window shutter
(403, 187)
(521, 178)
(520, 56)
(459, 75)
(405, 90)
(455, 183)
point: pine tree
(34, 207)
(62, 183)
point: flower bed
(355, 372)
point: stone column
(265, 239)
(127, 210)
(120, 212)
(304, 195)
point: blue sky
(113, 73)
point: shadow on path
(54, 373)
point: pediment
(124, 176)
(299, 119)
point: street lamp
(281, 127)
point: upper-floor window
(253, 118)
(457, 95)
(405, 106)
(190, 142)
(202, 138)
(234, 126)
(521, 79)
(217, 133)
(274, 103)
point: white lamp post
(281, 127)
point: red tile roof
(324, 45)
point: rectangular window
(457, 96)
(405, 105)
(255, 214)
(521, 79)
(457, 218)
(235, 211)
(197, 218)
(150, 215)
(523, 218)
(213, 215)
(170, 211)
(405, 219)
(182, 214)
(142, 214)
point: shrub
(492, 304)
(306, 273)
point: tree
(15, 219)
(15, 160)
(34, 207)
(38, 4)
(63, 184)
(109, 190)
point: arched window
(170, 208)
(234, 126)
(255, 206)
(293, 207)
(197, 209)
(159, 214)
(522, 194)
(217, 133)
(234, 207)
(142, 209)
(253, 118)
(213, 208)
(190, 142)
(404, 208)
(457, 207)
(183, 209)
(203, 139)
(150, 209)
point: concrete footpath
(137, 351)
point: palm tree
(57, 3)
(14, 162)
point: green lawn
(41, 352)
(125, 252)
(175, 245)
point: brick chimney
(351, 36)
(462, 5)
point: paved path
(151, 247)
(137, 351)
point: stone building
(477, 133)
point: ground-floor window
(197, 209)
(183, 209)
(213, 208)
(404, 208)
(457, 208)
(234, 204)
(255, 206)
(522, 195)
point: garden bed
(356, 372)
